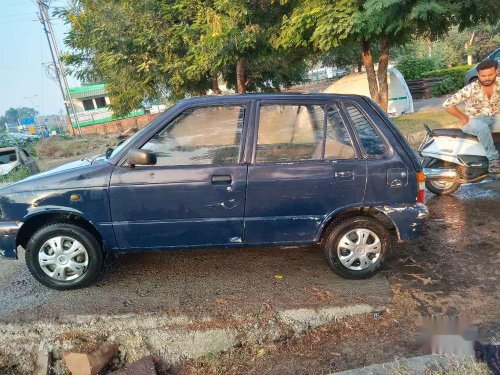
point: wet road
(460, 250)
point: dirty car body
(230, 171)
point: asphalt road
(460, 249)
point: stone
(90, 363)
(42, 364)
(144, 366)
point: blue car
(227, 171)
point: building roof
(87, 91)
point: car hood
(88, 172)
(91, 160)
(8, 167)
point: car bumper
(408, 219)
(8, 234)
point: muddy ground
(453, 269)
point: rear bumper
(408, 219)
(8, 234)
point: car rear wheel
(64, 256)
(356, 248)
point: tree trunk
(383, 63)
(215, 85)
(366, 54)
(360, 64)
(241, 76)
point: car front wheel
(356, 248)
(64, 256)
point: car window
(370, 139)
(338, 143)
(290, 133)
(200, 136)
(7, 156)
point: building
(92, 106)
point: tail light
(420, 187)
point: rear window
(370, 139)
(7, 157)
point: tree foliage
(13, 115)
(176, 48)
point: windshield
(124, 144)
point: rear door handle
(344, 174)
(221, 180)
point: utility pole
(43, 16)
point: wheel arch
(36, 221)
(368, 211)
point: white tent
(400, 100)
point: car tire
(64, 256)
(363, 233)
(442, 187)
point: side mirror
(141, 157)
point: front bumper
(8, 234)
(408, 219)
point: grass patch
(414, 122)
(412, 125)
(18, 173)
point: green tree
(177, 48)
(325, 24)
(13, 115)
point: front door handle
(344, 174)
(222, 180)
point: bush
(413, 67)
(18, 173)
(452, 79)
(8, 141)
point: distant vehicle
(11, 157)
(226, 171)
(471, 74)
(400, 100)
(24, 137)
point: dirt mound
(64, 147)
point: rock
(42, 364)
(144, 366)
(92, 363)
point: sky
(23, 49)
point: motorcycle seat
(454, 133)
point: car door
(28, 160)
(195, 194)
(391, 172)
(304, 167)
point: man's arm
(450, 104)
(453, 110)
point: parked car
(471, 74)
(227, 171)
(12, 157)
(24, 137)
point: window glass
(338, 144)
(100, 102)
(88, 104)
(368, 136)
(7, 156)
(200, 136)
(290, 133)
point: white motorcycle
(452, 157)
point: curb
(415, 365)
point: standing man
(482, 104)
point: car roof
(258, 96)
